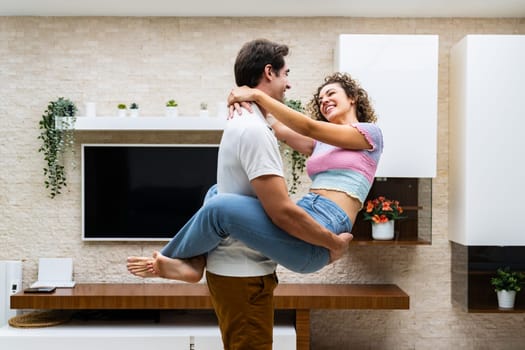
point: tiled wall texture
(150, 60)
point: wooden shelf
(472, 269)
(416, 205)
(301, 298)
(396, 241)
(196, 296)
(482, 297)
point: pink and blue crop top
(346, 170)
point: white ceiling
(300, 8)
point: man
(241, 280)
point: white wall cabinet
(486, 140)
(400, 74)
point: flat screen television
(143, 192)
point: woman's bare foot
(141, 266)
(187, 270)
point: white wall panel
(486, 123)
(400, 73)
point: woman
(344, 146)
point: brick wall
(151, 60)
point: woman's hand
(242, 94)
(238, 99)
(237, 107)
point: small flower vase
(91, 109)
(121, 113)
(172, 112)
(506, 299)
(383, 231)
(134, 112)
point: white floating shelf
(150, 123)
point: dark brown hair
(365, 111)
(254, 56)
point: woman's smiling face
(333, 101)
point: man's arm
(272, 192)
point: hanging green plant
(57, 135)
(295, 159)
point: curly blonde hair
(365, 111)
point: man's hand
(273, 194)
(343, 240)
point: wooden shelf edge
(372, 242)
(495, 311)
(188, 296)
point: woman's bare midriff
(351, 206)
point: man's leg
(244, 307)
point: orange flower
(386, 206)
(379, 219)
(382, 209)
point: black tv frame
(160, 199)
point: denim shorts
(326, 212)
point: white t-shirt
(248, 150)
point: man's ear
(268, 72)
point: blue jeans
(243, 218)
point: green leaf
(296, 160)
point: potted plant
(204, 110)
(121, 110)
(171, 108)
(506, 283)
(57, 135)
(383, 212)
(134, 110)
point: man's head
(260, 64)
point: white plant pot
(506, 299)
(172, 112)
(134, 113)
(64, 123)
(121, 113)
(383, 231)
(203, 113)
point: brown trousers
(244, 307)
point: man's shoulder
(246, 123)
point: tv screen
(143, 192)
